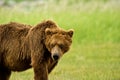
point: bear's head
(58, 41)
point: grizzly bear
(39, 47)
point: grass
(95, 52)
(90, 62)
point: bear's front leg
(40, 72)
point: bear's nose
(55, 56)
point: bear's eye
(61, 46)
(52, 45)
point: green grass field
(95, 52)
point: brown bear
(40, 47)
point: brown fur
(40, 47)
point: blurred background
(95, 52)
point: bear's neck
(25, 50)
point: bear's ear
(48, 32)
(70, 32)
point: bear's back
(13, 30)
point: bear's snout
(56, 56)
(56, 53)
